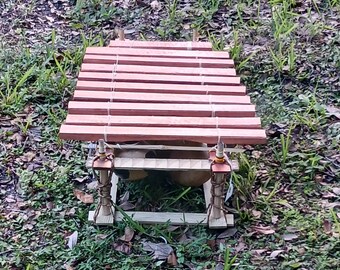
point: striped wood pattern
(135, 90)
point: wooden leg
(218, 191)
(104, 193)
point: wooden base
(165, 217)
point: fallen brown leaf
(124, 247)
(256, 214)
(172, 260)
(289, 236)
(276, 253)
(327, 226)
(263, 230)
(161, 251)
(227, 233)
(82, 196)
(128, 234)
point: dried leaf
(127, 206)
(289, 236)
(72, 240)
(333, 111)
(82, 196)
(155, 5)
(275, 253)
(68, 267)
(336, 191)
(227, 233)
(240, 247)
(124, 247)
(172, 260)
(161, 251)
(92, 185)
(28, 157)
(263, 230)
(256, 214)
(258, 252)
(275, 219)
(128, 234)
(327, 226)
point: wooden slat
(161, 88)
(161, 164)
(156, 78)
(159, 109)
(163, 121)
(167, 45)
(80, 95)
(156, 53)
(177, 71)
(164, 217)
(118, 134)
(158, 61)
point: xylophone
(164, 94)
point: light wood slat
(80, 95)
(161, 88)
(158, 61)
(178, 71)
(156, 78)
(165, 217)
(162, 164)
(118, 134)
(163, 121)
(159, 109)
(167, 45)
(156, 53)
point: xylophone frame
(216, 216)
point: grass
(287, 55)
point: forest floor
(287, 193)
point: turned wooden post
(105, 184)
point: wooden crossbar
(162, 45)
